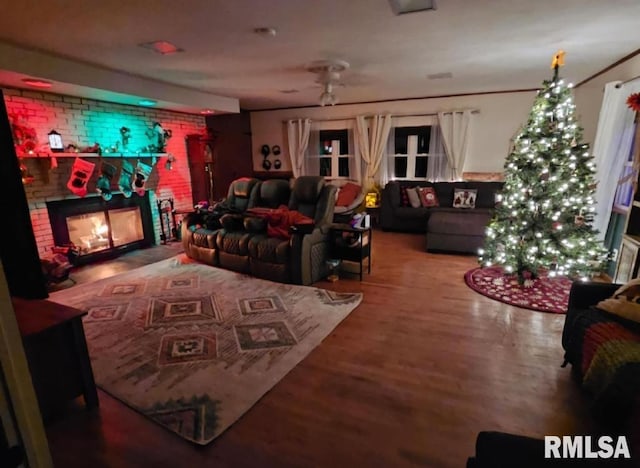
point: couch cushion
(269, 249)
(486, 193)
(273, 193)
(409, 212)
(464, 198)
(428, 197)
(404, 197)
(236, 243)
(624, 302)
(414, 198)
(204, 238)
(444, 191)
(348, 193)
(469, 223)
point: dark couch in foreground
(243, 244)
(447, 228)
(604, 351)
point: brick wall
(84, 122)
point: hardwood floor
(407, 379)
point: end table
(352, 245)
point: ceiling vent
(440, 76)
(401, 7)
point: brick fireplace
(84, 122)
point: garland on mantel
(633, 102)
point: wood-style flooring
(407, 379)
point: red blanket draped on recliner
(279, 220)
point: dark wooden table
(56, 351)
(358, 252)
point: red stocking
(80, 175)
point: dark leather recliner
(202, 244)
(234, 240)
(243, 244)
(301, 259)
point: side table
(355, 246)
(56, 351)
(374, 213)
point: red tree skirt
(543, 294)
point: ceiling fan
(328, 75)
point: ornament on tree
(142, 174)
(103, 186)
(80, 175)
(547, 226)
(124, 181)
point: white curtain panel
(611, 147)
(372, 141)
(438, 164)
(456, 130)
(298, 135)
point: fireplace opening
(98, 229)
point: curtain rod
(630, 80)
(473, 111)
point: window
(331, 154)
(413, 153)
(624, 191)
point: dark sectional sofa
(448, 229)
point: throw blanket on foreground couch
(606, 351)
(280, 220)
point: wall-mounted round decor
(275, 149)
(266, 164)
(277, 164)
(265, 150)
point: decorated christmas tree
(544, 213)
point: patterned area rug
(544, 294)
(193, 347)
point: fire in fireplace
(99, 229)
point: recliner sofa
(244, 245)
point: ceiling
(490, 45)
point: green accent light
(147, 102)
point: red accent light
(207, 112)
(162, 47)
(37, 83)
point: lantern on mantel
(55, 142)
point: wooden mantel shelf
(93, 155)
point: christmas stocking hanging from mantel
(103, 186)
(124, 182)
(80, 175)
(142, 174)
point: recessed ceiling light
(265, 31)
(162, 47)
(289, 91)
(440, 76)
(400, 7)
(36, 83)
(207, 112)
(147, 102)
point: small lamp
(55, 142)
(371, 200)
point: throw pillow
(414, 198)
(404, 198)
(464, 198)
(348, 193)
(624, 302)
(428, 196)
